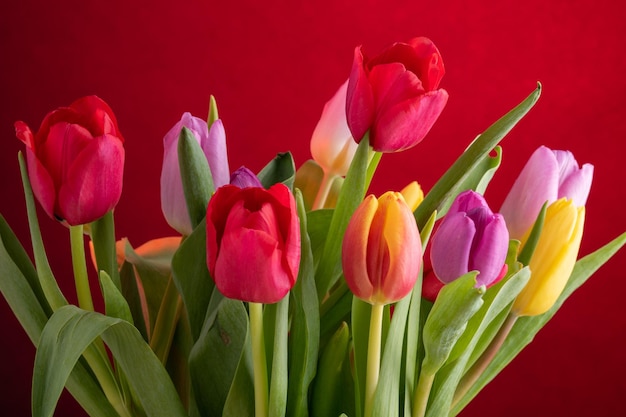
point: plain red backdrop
(272, 66)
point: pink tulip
(76, 161)
(395, 95)
(382, 250)
(547, 176)
(253, 242)
(332, 145)
(213, 143)
(470, 238)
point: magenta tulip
(213, 143)
(244, 178)
(470, 238)
(395, 95)
(547, 176)
(382, 250)
(253, 242)
(76, 161)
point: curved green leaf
(70, 331)
(280, 169)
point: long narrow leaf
(526, 328)
(70, 331)
(451, 182)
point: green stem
(373, 356)
(81, 277)
(100, 367)
(259, 360)
(166, 321)
(472, 375)
(422, 392)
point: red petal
(359, 99)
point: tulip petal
(64, 143)
(96, 115)
(404, 248)
(489, 249)
(214, 147)
(467, 201)
(93, 184)
(536, 184)
(355, 248)
(577, 185)
(407, 123)
(360, 104)
(450, 250)
(41, 183)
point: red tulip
(253, 242)
(395, 95)
(76, 161)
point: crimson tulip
(76, 161)
(470, 238)
(396, 95)
(253, 242)
(382, 250)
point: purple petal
(450, 250)
(214, 147)
(244, 178)
(489, 248)
(468, 201)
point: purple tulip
(244, 178)
(547, 176)
(470, 238)
(213, 143)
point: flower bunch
(295, 292)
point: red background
(272, 65)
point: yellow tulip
(413, 195)
(553, 261)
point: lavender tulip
(213, 143)
(470, 238)
(547, 176)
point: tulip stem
(324, 190)
(472, 375)
(259, 360)
(81, 278)
(373, 357)
(422, 392)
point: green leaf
(387, 397)
(48, 283)
(471, 162)
(305, 326)
(457, 302)
(196, 176)
(70, 331)
(533, 238)
(329, 388)
(318, 227)
(114, 302)
(240, 400)
(352, 193)
(361, 312)
(214, 357)
(192, 278)
(102, 232)
(526, 328)
(497, 300)
(213, 113)
(18, 285)
(280, 169)
(134, 297)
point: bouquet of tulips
(293, 292)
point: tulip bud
(413, 195)
(470, 238)
(332, 146)
(547, 176)
(253, 242)
(213, 143)
(554, 258)
(395, 95)
(76, 161)
(382, 250)
(244, 178)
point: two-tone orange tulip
(382, 251)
